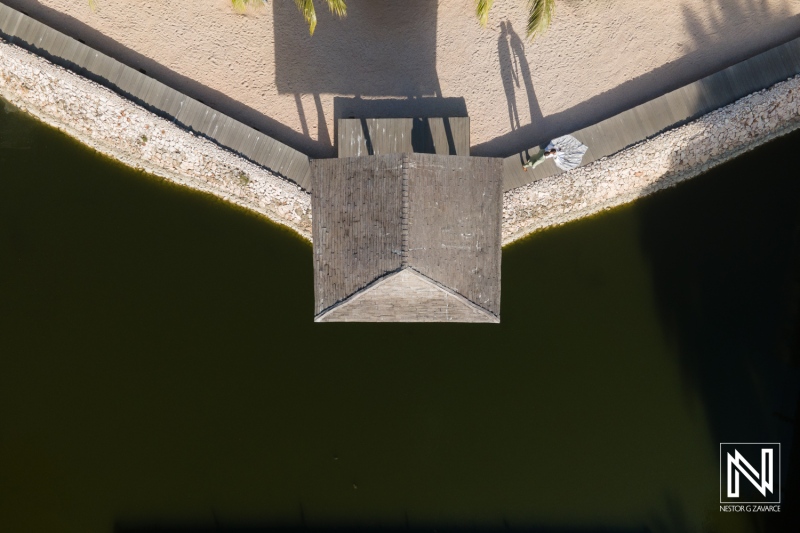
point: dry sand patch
(426, 58)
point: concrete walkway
(23, 31)
(668, 111)
(603, 139)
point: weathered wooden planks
(356, 224)
(407, 296)
(438, 215)
(155, 96)
(454, 224)
(672, 109)
(377, 136)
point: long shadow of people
(514, 68)
(508, 74)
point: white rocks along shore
(654, 164)
(125, 131)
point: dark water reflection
(159, 367)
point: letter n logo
(750, 472)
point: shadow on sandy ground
(702, 58)
(376, 62)
(392, 53)
(392, 56)
(516, 74)
(211, 97)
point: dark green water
(159, 365)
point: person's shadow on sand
(513, 67)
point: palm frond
(241, 5)
(539, 17)
(306, 7)
(338, 8)
(482, 8)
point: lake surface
(160, 368)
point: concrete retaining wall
(117, 126)
(18, 28)
(669, 111)
(655, 164)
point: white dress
(569, 151)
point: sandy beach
(425, 58)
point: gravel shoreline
(128, 133)
(120, 129)
(654, 164)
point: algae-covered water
(160, 369)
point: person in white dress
(567, 152)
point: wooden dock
(153, 95)
(377, 136)
(668, 111)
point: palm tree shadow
(380, 62)
(382, 49)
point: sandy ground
(425, 58)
